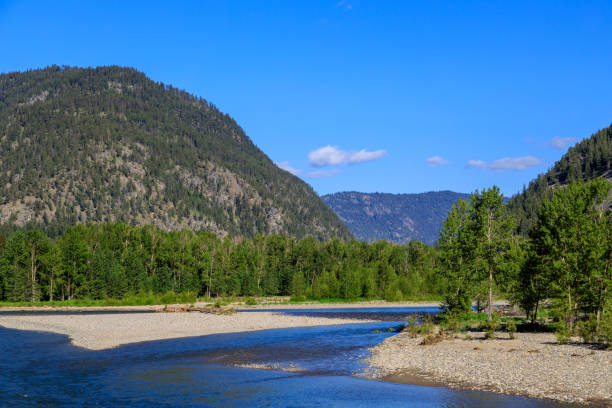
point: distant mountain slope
(587, 160)
(393, 217)
(108, 144)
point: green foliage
(397, 218)
(491, 326)
(562, 334)
(511, 328)
(606, 325)
(118, 261)
(427, 327)
(108, 144)
(412, 328)
(572, 246)
(589, 159)
(587, 330)
(476, 250)
(456, 255)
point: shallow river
(44, 369)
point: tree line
(116, 260)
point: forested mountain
(587, 160)
(108, 144)
(393, 217)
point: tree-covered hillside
(108, 144)
(393, 217)
(587, 160)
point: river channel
(304, 367)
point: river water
(311, 367)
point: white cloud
(333, 156)
(480, 164)
(363, 155)
(328, 155)
(322, 174)
(437, 161)
(347, 5)
(514, 163)
(287, 167)
(561, 142)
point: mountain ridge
(397, 218)
(588, 159)
(108, 144)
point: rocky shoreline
(531, 365)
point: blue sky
(389, 96)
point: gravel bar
(97, 332)
(531, 365)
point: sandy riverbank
(97, 332)
(532, 365)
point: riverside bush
(511, 328)
(587, 329)
(562, 334)
(606, 325)
(413, 329)
(452, 322)
(491, 326)
(431, 339)
(426, 327)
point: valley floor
(532, 365)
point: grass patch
(250, 301)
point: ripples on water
(44, 369)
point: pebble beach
(532, 365)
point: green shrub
(220, 303)
(426, 327)
(168, 298)
(187, 297)
(562, 334)
(511, 328)
(491, 326)
(457, 304)
(587, 329)
(250, 301)
(495, 321)
(606, 325)
(413, 329)
(431, 339)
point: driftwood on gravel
(191, 308)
